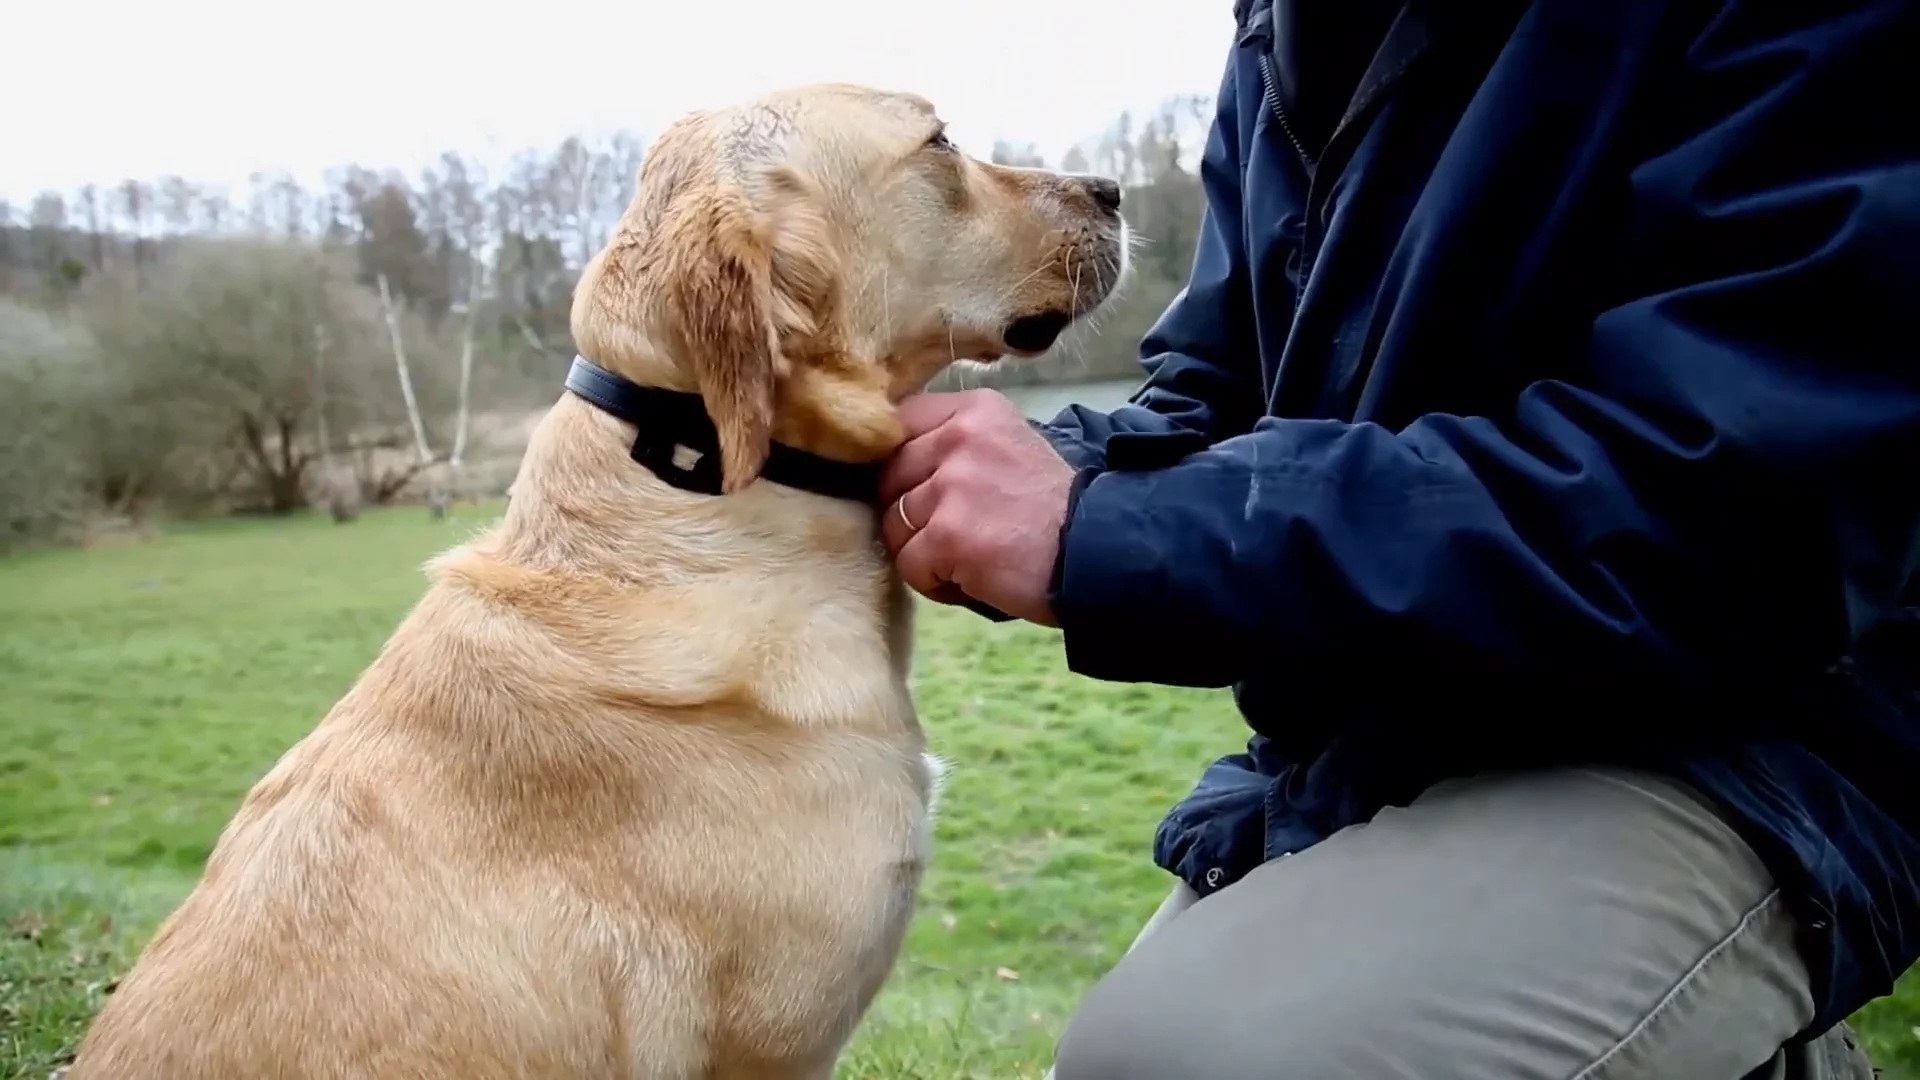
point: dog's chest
(898, 609)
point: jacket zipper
(1272, 96)
(1279, 114)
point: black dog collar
(669, 419)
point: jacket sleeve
(1725, 494)
(1202, 373)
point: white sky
(215, 90)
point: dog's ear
(720, 309)
(729, 287)
(832, 401)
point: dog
(637, 789)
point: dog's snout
(1105, 192)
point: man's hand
(974, 501)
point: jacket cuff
(1101, 547)
(1076, 451)
(1078, 488)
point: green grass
(143, 688)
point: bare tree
(47, 239)
(178, 203)
(341, 492)
(583, 184)
(94, 216)
(12, 253)
(387, 307)
(463, 215)
(1024, 155)
(463, 409)
(625, 152)
(322, 433)
(134, 202)
(47, 375)
(216, 214)
(533, 340)
(215, 350)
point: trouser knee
(1112, 1038)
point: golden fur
(637, 790)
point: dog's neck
(664, 597)
(582, 505)
(830, 403)
(580, 501)
(676, 440)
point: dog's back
(482, 864)
(364, 915)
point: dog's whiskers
(1007, 294)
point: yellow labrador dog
(637, 790)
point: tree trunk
(285, 493)
(320, 399)
(406, 376)
(456, 461)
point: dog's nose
(1105, 192)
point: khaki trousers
(1573, 925)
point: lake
(1042, 402)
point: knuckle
(924, 500)
(952, 435)
(966, 425)
(963, 475)
(965, 546)
(981, 414)
(942, 547)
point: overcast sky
(214, 90)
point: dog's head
(807, 259)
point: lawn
(144, 687)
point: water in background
(1042, 402)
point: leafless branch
(533, 339)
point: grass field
(144, 687)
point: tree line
(170, 347)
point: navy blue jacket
(1558, 401)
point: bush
(50, 383)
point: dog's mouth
(1031, 335)
(1099, 264)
